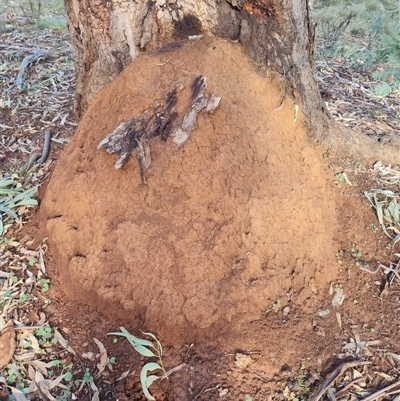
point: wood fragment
(201, 102)
(158, 121)
(143, 155)
(154, 122)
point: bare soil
(230, 249)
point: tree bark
(277, 34)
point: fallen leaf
(103, 356)
(18, 394)
(123, 375)
(63, 342)
(7, 348)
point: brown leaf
(7, 348)
(103, 356)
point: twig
(342, 392)
(37, 54)
(206, 390)
(381, 392)
(163, 63)
(175, 369)
(380, 265)
(15, 328)
(328, 382)
(258, 376)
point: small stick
(328, 382)
(381, 392)
(175, 369)
(343, 391)
(380, 265)
(15, 328)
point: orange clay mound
(238, 216)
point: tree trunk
(278, 35)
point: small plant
(44, 335)
(147, 349)
(366, 31)
(87, 378)
(13, 196)
(53, 22)
(45, 284)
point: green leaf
(149, 367)
(137, 340)
(27, 202)
(6, 182)
(26, 194)
(383, 89)
(68, 376)
(151, 379)
(8, 211)
(156, 340)
(8, 191)
(137, 343)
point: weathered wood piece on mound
(159, 121)
(200, 102)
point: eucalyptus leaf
(8, 191)
(137, 340)
(27, 202)
(149, 367)
(25, 195)
(160, 348)
(393, 209)
(6, 182)
(136, 343)
(143, 350)
(151, 379)
(8, 211)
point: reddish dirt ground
(230, 247)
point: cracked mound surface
(237, 217)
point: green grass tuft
(56, 23)
(367, 31)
